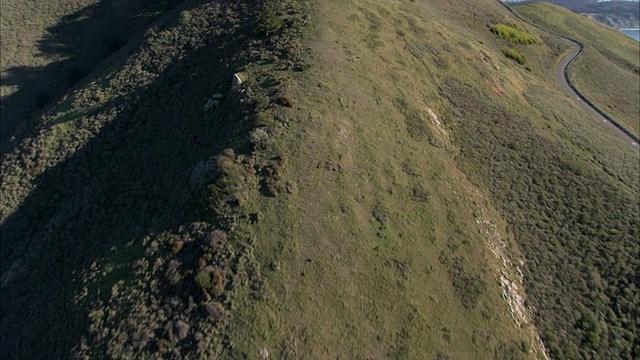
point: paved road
(561, 75)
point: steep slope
(383, 250)
(383, 184)
(389, 67)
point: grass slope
(618, 14)
(384, 184)
(609, 70)
(509, 133)
(377, 253)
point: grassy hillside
(609, 70)
(382, 249)
(386, 183)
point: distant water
(634, 33)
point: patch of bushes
(233, 182)
(268, 20)
(513, 34)
(581, 250)
(272, 178)
(130, 175)
(75, 39)
(211, 281)
(514, 54)
(133, 177)
(264, 118)
(419, 193)
(468, 285)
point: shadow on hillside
(81, 41)
(129, 182)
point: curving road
(563, 78)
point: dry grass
(359, 265)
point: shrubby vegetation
(519, 56)
(129, 214)
(47, 48)
(513, 34)
(146, 186)
(268, 20)
(578, 230)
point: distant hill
(617, 14)
(610, 62)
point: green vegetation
(158, 180)
(569, 248)
(383, 184)
(513, 34)
(211, 281)
(515, 54)
(268, 20)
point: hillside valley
(388, 180)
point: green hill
(385, 183)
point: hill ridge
(385, 183)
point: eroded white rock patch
(512, 284)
